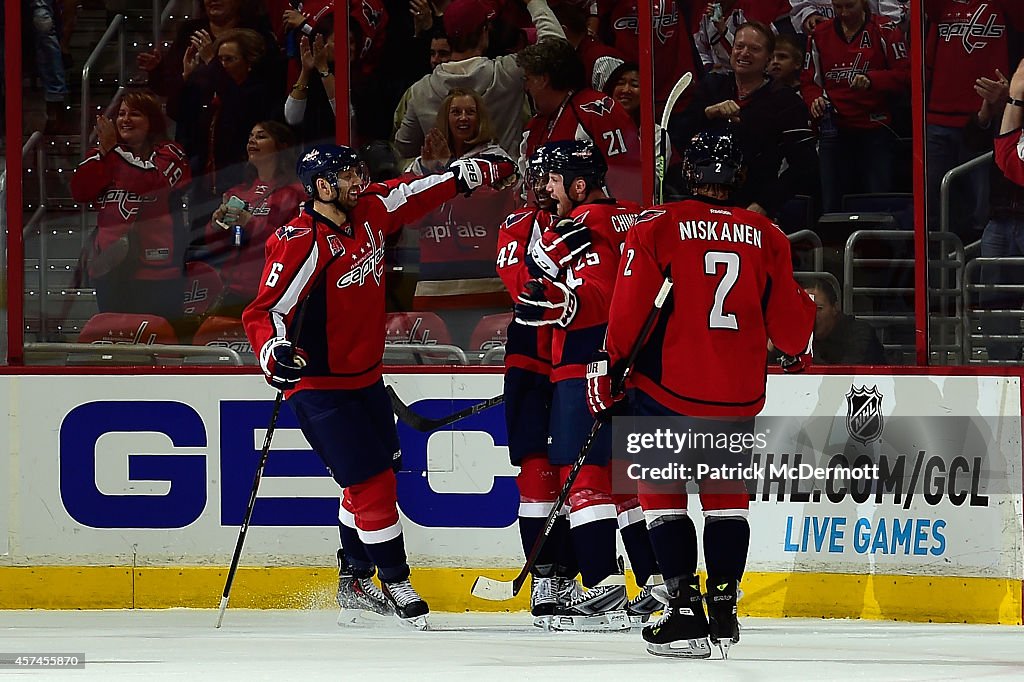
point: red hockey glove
(282, 363)
(544, 302)
(603, 402)
(794, 364)
(476, 171)
(558, 247)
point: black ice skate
(640, 607)
(543, 596)
(721, 599)
(359, 598)
(682, 630)
(599, 608)
(408, 605)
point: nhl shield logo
(864, 413)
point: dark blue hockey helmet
(713, 158)
(327, 161)
(575, 159)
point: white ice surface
(308, 645)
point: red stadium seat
(128, 329)
(202, 288)
(223, 332)
(419, 328)
(491, 332)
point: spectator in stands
(135, 261)
(598, 58)
(459, 239)
(674, 52)
(272, 195)
(841, 339)
(716, 32)
(807, 14)
(1003, 236)
(310, 106)
(857, 63)
(771, 121)
(440, 53)
(499, 81)
(787, 61)
(214, 18)
(954, 66)
(229, 87)
(623, 86)
(50, 65)
(568, 110)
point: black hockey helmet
(575, 159)
(327, 161)
(713, 158)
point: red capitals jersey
(592, 278)
(527, 347)
(271, 206)
(134, 194)
(734, 289)
(877, 50)
(335, 275)
(673, 40)
(968, 39)
(594, 116)
(457, 240)
(1010, 155)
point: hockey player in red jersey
(528, 402)
(704, 360)
(318, 325)
(574, 265)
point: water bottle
(236, 229)
(828, 128)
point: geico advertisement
(155, 470)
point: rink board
(127, 491)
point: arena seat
(419, 338)
(489, 337)
(224, 332)
(202, 288)
(127, 329)
(899, 205)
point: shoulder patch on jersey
(649, 215)
(581, 219)
(514, 219)
(291, 232)
(598, 107)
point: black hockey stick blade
(427, 424)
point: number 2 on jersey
(717, 317)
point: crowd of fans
(816, 92)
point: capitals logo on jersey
(846, 72)
(973, 31)
(665, 21)
(367, 262)
(599, 107)
(128, 203)
(291, 232)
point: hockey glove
(794, 364)
(603, 402)
(474, 172)
(282, 363)
(558, 247)
(545, 303)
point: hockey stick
(244, 529)
(500, 590)
(426, 424)
(677, 91)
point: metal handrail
(947, 181)
(33, 142)
(434, 349)
(815, 241)
(978, 287)
(117, 26)
(122, 351)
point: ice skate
(724, 628)
(408, 605)
(600, 608)
(543, 598)
(359, 598)
(682, 630)
(640, 607)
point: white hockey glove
(282, 363)
(558, 247)
(545, 303)
(474, 172)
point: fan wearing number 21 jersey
(733, 290)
